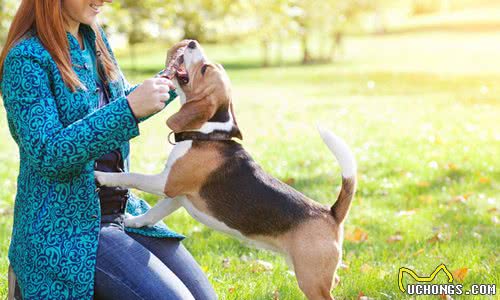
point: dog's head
(204, 90)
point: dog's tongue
(181, 70)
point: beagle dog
(221, 186)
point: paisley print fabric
(60, 134)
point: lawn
(421, 115)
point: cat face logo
(424, 285)
(421, 278)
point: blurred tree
(315, 19)
(203, 20)
(305, 23)
(421, 7)
(136, 19)
(273, 24)
(3, 21)
(7, 11)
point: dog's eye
(204, 69)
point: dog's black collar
(217, 135)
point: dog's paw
(136, 221)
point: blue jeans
(133, 266)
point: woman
(71, 112)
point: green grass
(423, 131)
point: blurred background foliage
(316, 26)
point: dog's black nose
(192, 45)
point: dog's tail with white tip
(347, 163)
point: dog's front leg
(162, 209)
(153, 184)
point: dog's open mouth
(181, 74)
(176, 68)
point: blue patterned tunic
(60, 134)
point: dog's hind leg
(314, 276)
(315, 256)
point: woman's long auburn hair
(46, 18)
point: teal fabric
(59, 134)
(90, 57)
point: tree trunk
(325, 50)
(265, 53)
(306, 56)
(279, 51)
(133, 56)
(336, 48)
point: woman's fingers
(150, 97)
(166, 82)
(165, 97)
(163, 89)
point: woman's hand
(150, 97)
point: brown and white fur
(221, 186)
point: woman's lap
(132, 266)
(177, 258)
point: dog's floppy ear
(193, 114)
